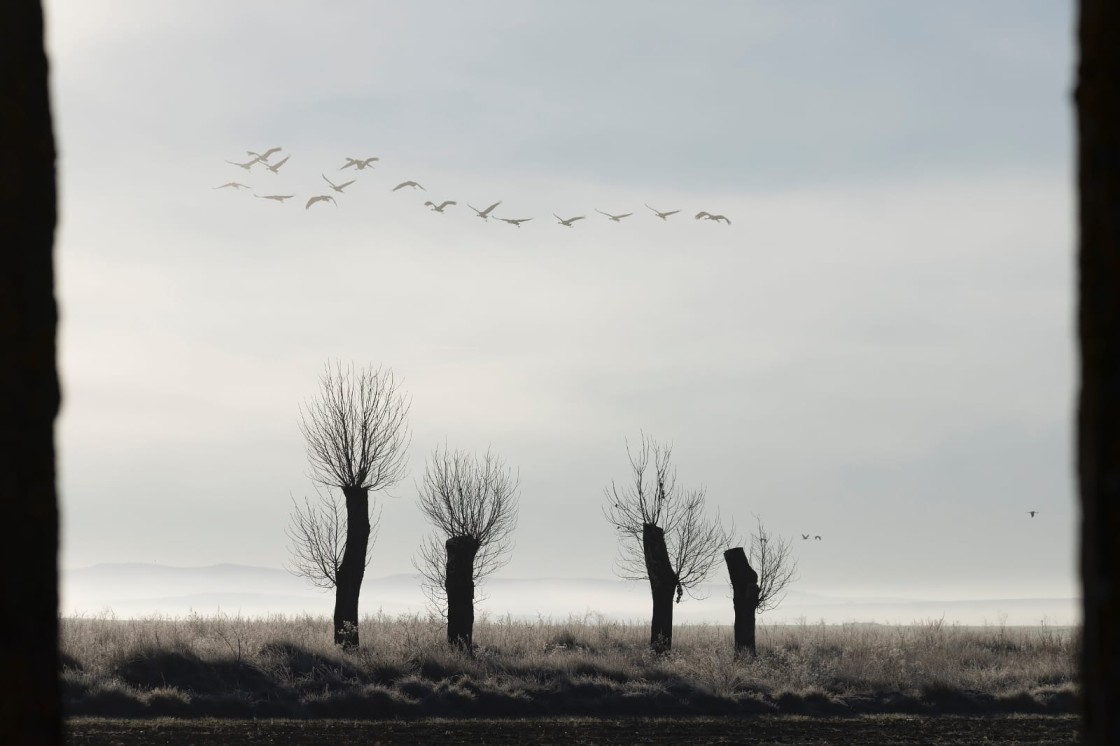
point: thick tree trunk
(662, 585)
(459, 584)
(29, 690)
(1098, 425)
(744, 587)
(353, 567)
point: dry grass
(288, 667)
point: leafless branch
(772, 558)
(318, 538)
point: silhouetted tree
(357, 438)
(1098, 422)
(758, 584)
(30, 707)
(318, 539)
(665, 536)
(472, 503)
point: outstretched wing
(703, 214)
(491, 207)
(446, 203)
(333, 185)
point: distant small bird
(248, 166)
(441, 205)
(817, 538)
(660, 214)
(263, 157)
(234, 184)
(615, 218)
(275, 167)
(360, 163)
(484, 214)
(338, 187)
(412, 184)
(804, 536)
(320, 198)
(1033, 513)
(569, 221)
(514, 221)
(275, 197)
(710, 216)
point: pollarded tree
(472, 503)
(758, 584)
(357, 439)
(318, 539)
(666, 538)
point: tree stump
(744, 585)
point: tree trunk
(30, 708)
(353, 567)
(744, 586)
(1098, 425)
(662, 585)
(459, 584)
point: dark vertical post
(459, 585)
(744, 592)
(353, 567)
(662, 585)
(29, 690)
(1098, 419)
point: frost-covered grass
(288, 667)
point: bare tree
(357, 439)
(761, 587)
(665, 536)
(318, 539)
(472, 503)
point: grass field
(232, 667)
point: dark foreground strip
(867, 730)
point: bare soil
(868, 730)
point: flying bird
(263, 157)
(710, 216)
(319, 198)
(615, 218)
(1032, 513)
(804, 536)
(567, 223)
(660, 214)
(275, 197)
(484, 214)
(404, 184)
(817, 538)
(441, 205)
(514, 221)
(338, 187)
(234, 184)
(275, 167)
(247, 165)
(360, 163)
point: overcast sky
(878, 349)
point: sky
(878, 348)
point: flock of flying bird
(360, 164)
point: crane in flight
(275, 197)
(805, 536)
(248, 165)
(484, 214)
(413, 184)
(275, 167)
(338, 187)
(710, 216)
(514, 221)
(1033, 513)
(439, 208)
(234, 184)
(360, 163)
(567, 223)
(660, 214)
(818, 538)
(319, 198)
(263, 157)
(615, 218)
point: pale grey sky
(879, 348)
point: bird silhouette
(804, 536)
(1033, 513)
(275, 197)
(263, 157)
(484, 214)
(441, 205)
(710, 216)
(234, 184)
(360, 163)
(514, 221)
(412, 184)
(567, 223)
(338, 187)
(320, 198)
(275, 167)
(817, 538)
(615, 218)
(248, 165)
(660, 214)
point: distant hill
(133, 590)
